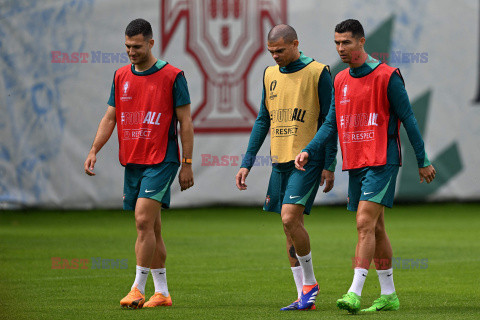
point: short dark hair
(282, 31)
(351, 25)
(139, 26)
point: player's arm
(400, 103)
(259, 132)
(325, 99)
(105, 129)
(184, 117)
(326, 132)
(181, 103)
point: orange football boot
(134, 299)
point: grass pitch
(231, 263)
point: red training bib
(362, 111)
(144, 111)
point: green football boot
(384, 303)
(349, 302)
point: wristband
(186, 160)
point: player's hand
(185, 177)
(300, 160)
(241, 177)
(328, 177)
(427, 174)
(89, 164)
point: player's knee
(143, 225)
(289, 221)
(365, 226)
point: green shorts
(288, 185)
(151, 182)
(376, 184)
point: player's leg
(351, 300)
(158, 270)
(299, 241)
(372, 189)
(156, 187)
(273, 203)
(294, 264)
(146, 211)
(383, 248)
(133, 177)
(293, 225)
(296, 271)
(388, 300)
(299, 195)
(367, 216)
(160, 255)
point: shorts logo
(267, 200)
(224, 38)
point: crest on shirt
(344, 98)
(273, 85)
(224, 38)
(124, 97)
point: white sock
(358, 280)
(141, 278)
(298, 277)
(386, 281)
(307, 268)
(160, 280)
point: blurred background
(57, 60)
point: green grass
(231, 263)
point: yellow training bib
(292, 102)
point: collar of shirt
(157, 66)
(296, 65)
(369, 65)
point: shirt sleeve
(181, 96)
(111, 100)
(325, 133)
(325, 88)
(400, 104)
(259, 132)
